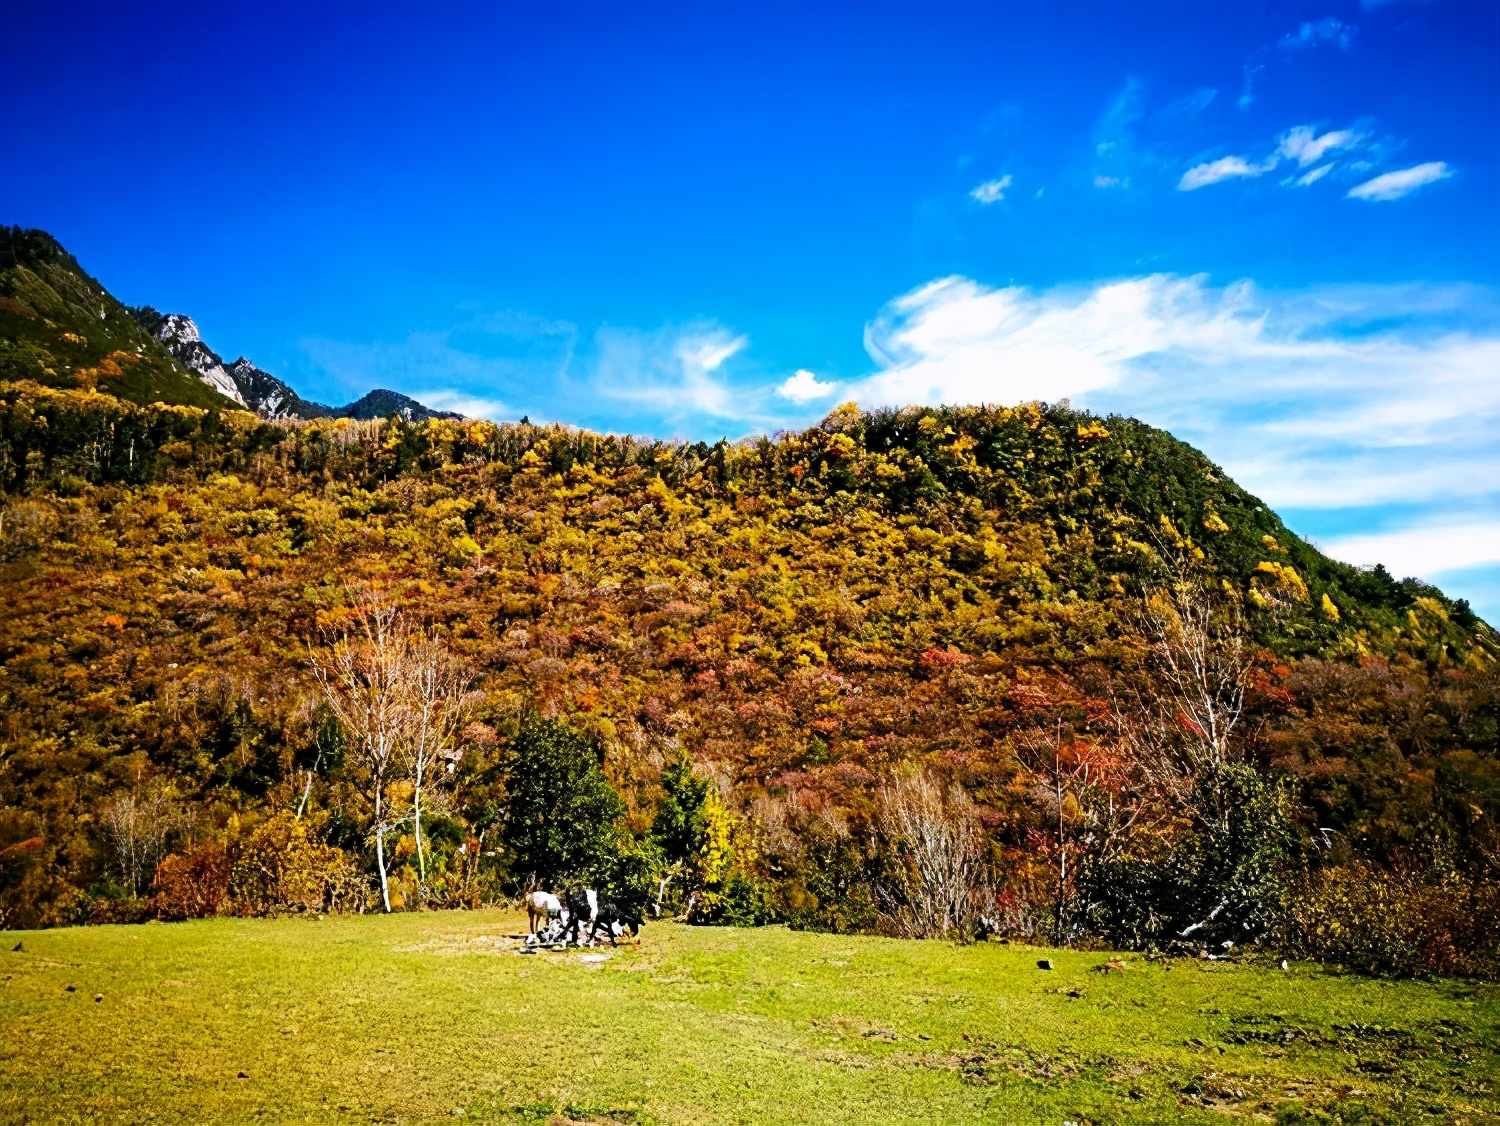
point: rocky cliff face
(270, 397)
(180, 335)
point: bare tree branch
(947, 886)
(1201, 663)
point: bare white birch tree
(1201, 661)
(437, 691)
(1084, 788)
(364, 676)
(137, 828)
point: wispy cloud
(674, 374)
(675, 379)
(805, 387)
(1116, 147)
(1394, 185)
(955, 340)
(470, 406)
(1303, 145)
(1427, 548)
(1324, 400)
(1308, 35)
(1185, 110)
(1216, 171)
(1314, 32)
(479, 366)
(991, 191)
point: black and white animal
(582, 907)
(541, 908)
(588, 913)
(618, 919)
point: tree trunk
(307, 789)
(1062, 848)
(416, 816)
(385, 888)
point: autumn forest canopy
(930, 672)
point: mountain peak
(382, 403)
(257, 389)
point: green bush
(830, 890)
(1365, 917)
(741, 900)
(1225, 880)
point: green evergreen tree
(561, 812)
(679, 826)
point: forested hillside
(929, 672)
(784, 654)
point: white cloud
(804, 387)
(1108, 182)
(702, 355)
(1424, 550)
(955, 340)
(1394, 185)
(674, 372)
(1296, 395)
(1303, 145)
(1225, 168)
(470, 406)
(992, 191)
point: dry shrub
(126, 909)
(281, 866)
(193, 884)
(1378, 921)
(942, 886)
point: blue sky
(1272, 228)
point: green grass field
(432, 1016)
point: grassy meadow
(432, 1016)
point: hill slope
(803, 616)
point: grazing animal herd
(551, 918)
